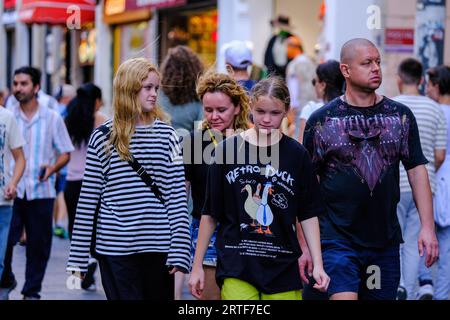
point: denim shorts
(374, 274)
(210, 258)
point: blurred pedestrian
(179, 73)
(438, 88)
(65, 93)
(47, 150)
(132, 207)
(299, 74)
(356, 143)
(3, 97)
(12, 143)
(83, 116)
(275, 57)
(432, 126)
(257, 244)
(238, 58)
(43, 98)
(226, 108)
(328, 84)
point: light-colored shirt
(10, 138)
(75, 167)
(432, 131)
(46, 136)
(446, 109)
(310, 108)
(299, 74)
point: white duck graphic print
(264, 214)
(258, 209)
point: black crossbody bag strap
(105, 130)
(140, 170)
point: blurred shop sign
(114, 7)
(9, 4)
(139, 4)
(9, 18)
(399, 40)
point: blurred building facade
(86, 40)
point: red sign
(9, 4)
(141, 4)
(56, 11)
(399, 40)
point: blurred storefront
(48, 35)
(193, 24)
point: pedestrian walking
(328, 84)
(238, 58)
(260, 183)
(356, 143)
(12, 143)
(432, 127)
(438, 89)
(47, 150)
(226, 110)
(83, 116)
(132, 207)
(179, 73)
(65, 93)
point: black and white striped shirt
(131, 219)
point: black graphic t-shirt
(256, 194)
(356, 152)
(198, 149)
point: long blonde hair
(126, 105)
(218, 82)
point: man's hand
(48, 171)
(305, 264)
(428, 241)
(322, 279)
(10, 191)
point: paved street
(54, 286)
(55, 281)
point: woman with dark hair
(180, 70)
(83, 117)
(329, 84)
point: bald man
(357, 142)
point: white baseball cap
(238, 55)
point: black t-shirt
(356, 152)
(256, 195)
(198, 149)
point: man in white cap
(238, 57)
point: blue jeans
(442, 280)
(408, 217)
(210, 258)
(5, 221)
(373, 274)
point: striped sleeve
(441, 131)
(174, 193)
(91, 189)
